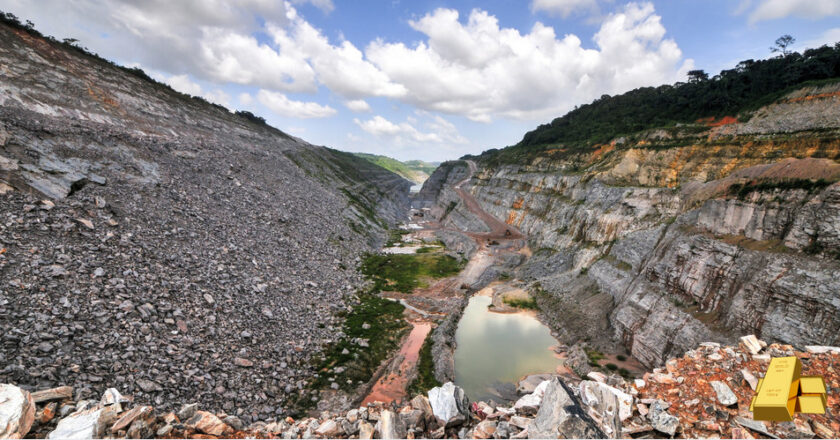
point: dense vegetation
(425, 379)
(406, 272)
(419, 165)
(416, 171)
(521, 303)
(734, 92)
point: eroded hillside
(154, 240)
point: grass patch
(521, 303)
(406, 272)
(425, 379)
(376, 319)
(594, 356)
(427, 249)
(395, 237)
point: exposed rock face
(147, 230)
(655, 249)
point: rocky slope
(674, 237)
(704, 394)
(164, 245)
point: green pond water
(495, 349)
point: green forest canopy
(734, 92)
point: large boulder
(449, 404)
(561, 415)
(17, 411)
(90, 423)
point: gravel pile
(164, 245)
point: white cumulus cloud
(342, 68)
(357, 105)
(283, 106)
(564, 8)
(325, 5)
(776, 9)
(438, 131)
(481, 70)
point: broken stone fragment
(365, 430)
(85, 222)
(421, 403)
(90, 423)
(749, 378)
(590, 393)
(112, 397)
(59, 393)
(148, 385)
(821, 349)
(597, 376)
(207, 423)
(17, 411)
(484, 430)
(242, 362)
(390, 426)
(130, 416)
(606, 405)
(661, 420)
(520, 422)
(46, 413)
(752, 344)
(529, 404)
(329, 429)
(187, 411)
(449, 404)
(724, 394)
(795, 429)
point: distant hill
(416, 171)
(734, 93)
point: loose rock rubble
(165, 245)
(679, 400)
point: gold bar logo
(782, 392)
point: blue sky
(430, 80)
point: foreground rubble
(706, 393)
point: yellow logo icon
(783, 392)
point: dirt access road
(499, 230)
